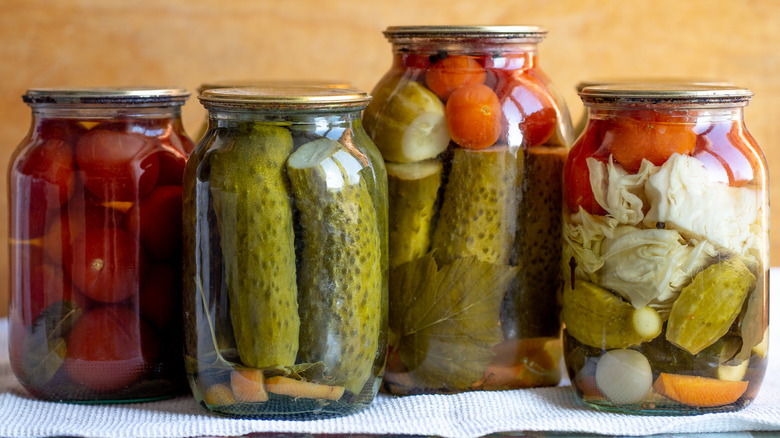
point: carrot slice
(300, 389)
(247, 385)
(698, 391)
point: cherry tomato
(160, 296)
(474, 116)
(453, 72)
(156, 222)
(109, 348)
(577, 191)
(500, 68)
(61, 129)
(78, 215)
(630, 140)
(529, 110)
(723, 149)
(117, 165)
(108, 264)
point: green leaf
(448, 318)
(44, 345)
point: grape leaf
(44, 345)
(448, 318)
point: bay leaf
(448, 318)
(44, 345)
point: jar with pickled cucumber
(95, 255)
(665, 258)
(474, 139)
(285, 255)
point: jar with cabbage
(665, 251)
(474, 140)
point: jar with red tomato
(665, 260)
(95, 245)
(474, 138)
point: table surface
(540, 412)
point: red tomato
(160, 296)
(117, 165)
(108, 264)
(109, 348)
(474, 116)
(61, 129)
(453, 72)
(577, 190)
(172, 164)
(78, 215)
(724, 150)
(529, 110)
(413, 60)
(156, 222)
(630, 140)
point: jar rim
(281, 97)
(450, 32)
(143, 95)
(665, 93)
(679, 80)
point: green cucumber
(254, 213)
(707, 307)
(340, 272)
(479, 210)
(598, 318)
(413, 189)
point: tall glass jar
(95, 255)
(474, 139)
(665, 251)
(285, 256)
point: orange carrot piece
(248, 385)
(698, 391)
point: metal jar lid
(263, 83)
(136, 96)
(530, 34)
(285, 98)
(681, 94)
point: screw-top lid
(533, 34)
(681, 94)
(262, 83)
(140, 96)
(285, 98)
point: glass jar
(665, 251)
(95, 254)
(474, 139)
(257, 83)
(285, 257)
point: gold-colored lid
(285, 98)
(142, 96)
(665, 93)
(266, 83)
(520, 33)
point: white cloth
(462, 415)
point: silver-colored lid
(518, 33)
(665, 93)
(143, 96)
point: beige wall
(187, 42)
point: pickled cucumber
(479, 212)
(413, 189)
(598, 318)
(340, 274)
(254, 214)
(406, 121)
(708, 306)
(538, 245)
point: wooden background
(187, 42)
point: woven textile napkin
(462, 415)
